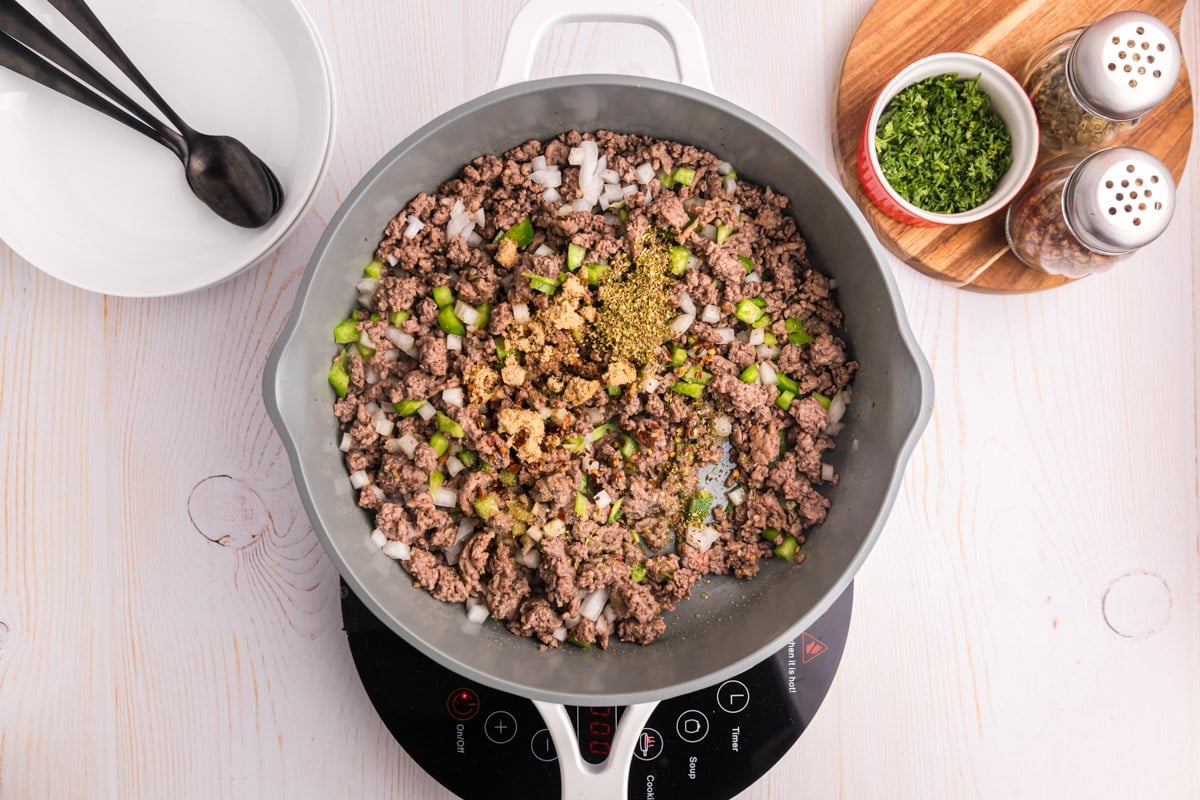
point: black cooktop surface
(707, 745)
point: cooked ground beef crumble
(531, 385)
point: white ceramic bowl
(1008, 100)
(99, 206)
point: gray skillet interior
(739, 622)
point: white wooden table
(1027, 627)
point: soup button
(692, 726)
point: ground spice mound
(635, 309)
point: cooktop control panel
(709, 744)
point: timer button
(692, 726)
(500, 727)
(543, 746)
(733, 697)
(649, 745)
(462, 704)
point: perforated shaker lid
(1122, 66)
(1118, 200)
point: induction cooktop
(484, 744)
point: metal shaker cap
(1122, 66)
(1118, 200)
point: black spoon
(221, 171)
(209, 157)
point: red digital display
(595, 727)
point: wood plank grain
(896, 32)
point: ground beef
(552, 466)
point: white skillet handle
(584, 781)
(667, 17)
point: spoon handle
(82, 17)
(20, 59)
(22, 26)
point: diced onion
(359, 479)
(752, 277)
(454, 342)
(367, 285)
(467, 313)
(725, 335)
(397, 550)
(834, 428)
(767, 352)
(538, 163)
(650, 384)
(453, 396)
(408, 444)
(644, 173)
(550, 178)
(710, 314)
(766, 373)
(837, 408)
(520, 312)
(531, 558)
(737, 495)
(346, 443)
(709, 232)
(722, 426)
(391, 356)
(593, 605)
(693, 262)
(611, 219)
(629, 191)
(757, 336)
(384, 426)
(566, 210)
(612, 192)
(682, 323)
(702, 537)
(413, 228)
(373, 408)
(477, 614)
(685, 303)
(603, 624)
(827, 472)
(454, 466)
(602, 499)
(609, 614)
(392, 260)
(724, 168)
(377, 538)
(833, 284)
(730, 187)
(560, 633)
(445, 498)
(610, 176)
(543, 249)
(551, 196)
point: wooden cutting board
(895, 32)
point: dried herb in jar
(941, 146)
(1064, 124)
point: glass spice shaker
(1090, 84)
(1080, 214)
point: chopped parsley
(941, 146)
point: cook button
(500, 727)
(462, 704)
(649, 745)
(692, 726)
(543, 746)
(733, 697)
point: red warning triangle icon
(810, 648)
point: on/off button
(462, 704)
